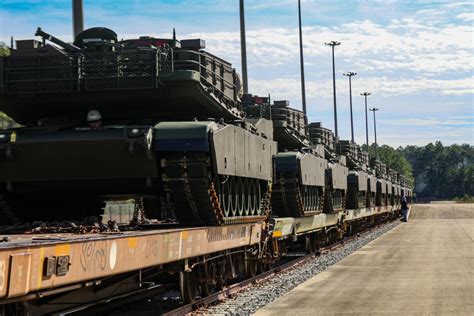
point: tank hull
(299, 184)
(215, 174)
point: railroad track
(234, 289)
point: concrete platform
(423, 267)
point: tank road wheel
(226, 196)
(258, 195)
(240, 196)
(234, 197)
(254, 204)
(247, 194)
(188, 286)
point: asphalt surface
(423, 267)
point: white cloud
(466, 16)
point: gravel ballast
(260, 294)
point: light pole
(77, 17)
(366, 94)
(303, 93)
(333, 44)
(350, 74)
(243, 47)
(375, 130)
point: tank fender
(239, 152)
(312, 170)
(183, 136)
(359, 178)
(286, 162)
(381, 186)
(339, 176)
(372, 182)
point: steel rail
(235, 288)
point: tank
(173, 131)
(308, 175)
(358, 180)
(337, 173)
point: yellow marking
(61, 250)
(277, 233)
(13, 137)
(132, 242)
(40, 268)
(185, 235)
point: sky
(414, 57)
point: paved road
(423, 267)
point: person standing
(404, 206)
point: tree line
(437, 172)
(442, 172)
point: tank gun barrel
(69, 47)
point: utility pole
(375, 131)
(303, 92)
(333, 44)
(243, 47)
(77, 17)
(366, 94)
(350, 74)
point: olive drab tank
(156, 97)
(337, 172)
(302, 185)
(358, 182)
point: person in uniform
(404, 206)
(94, 119)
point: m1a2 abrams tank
(337, 172)
(361, 186)
(156, 141)
(301, 186)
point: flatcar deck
(31, 263)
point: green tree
(442, 172)
(4, 51)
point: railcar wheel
(251, 265)
(310, 243)
(207, 272)
(188, 286)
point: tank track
(16, 210)
(295, 200)
(195, 193)
(337, 202)
(7, 217)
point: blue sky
(415, 57)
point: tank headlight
(4, 138)
(135, 132)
